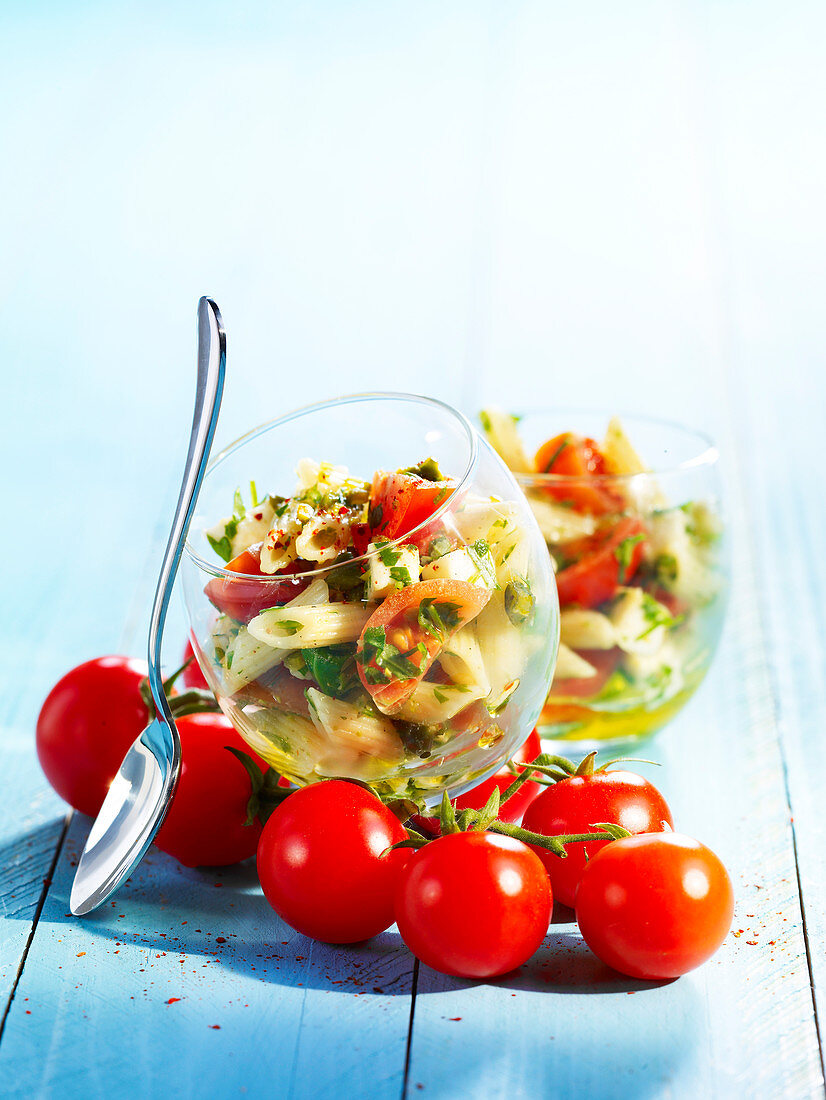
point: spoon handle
(212, 355)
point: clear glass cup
(628, 663)
(484, 692)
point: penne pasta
(570, 666)
(296, 627)
(432, 704)
(583, 629)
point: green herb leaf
(333, 668)
(624, 553)
(222, 547)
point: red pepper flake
(218, 884)
(215, 1027)
(752, 943)
(172, 1000)
(80, 954)
(454, 1019)
(28, 1012)
(220, 939)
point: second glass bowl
(640, 562)
(287, 657)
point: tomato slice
(243, 600)
(612, 561)
(579, 458)
(400, 502)
(407, 632)
(603, 660)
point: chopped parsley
(624, 553)
(382, 662)
(438, 618)
(333, 668)
(656, 614)
(401, 575)
(666, 569)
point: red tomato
(204, 826)
(86, 724)
(596, 576)
(575, 805)
(192, 675)
(473, 904)
(603, 660)
(580, 459)
(400, 502)
(475, 799)
(398, 621)
(243, 600)
(655, 906)
(324, 865)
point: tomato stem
(555, 844)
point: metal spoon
(143, 788)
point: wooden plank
(707, 1033)
(201, 958)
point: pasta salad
(368, 628)
(639, 577)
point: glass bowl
(640, 560)
(310, 698)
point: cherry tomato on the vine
(87, 722)
(575, 805)
(324, 865)
(473, 904)
(513, 809)
(205, 825)
(654, 906)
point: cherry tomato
(574, 805)
(243, 600)
(513, 809)
(655, 906)
(603, 660)
(473, 904)
(324, 865)
(400, 502)
(86, 724)
(580, 459)
(612, 560)
(204, 826)
(192, 675)
(426, 615)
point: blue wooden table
(526, 204)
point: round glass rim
(317, 406)
(707, 452)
